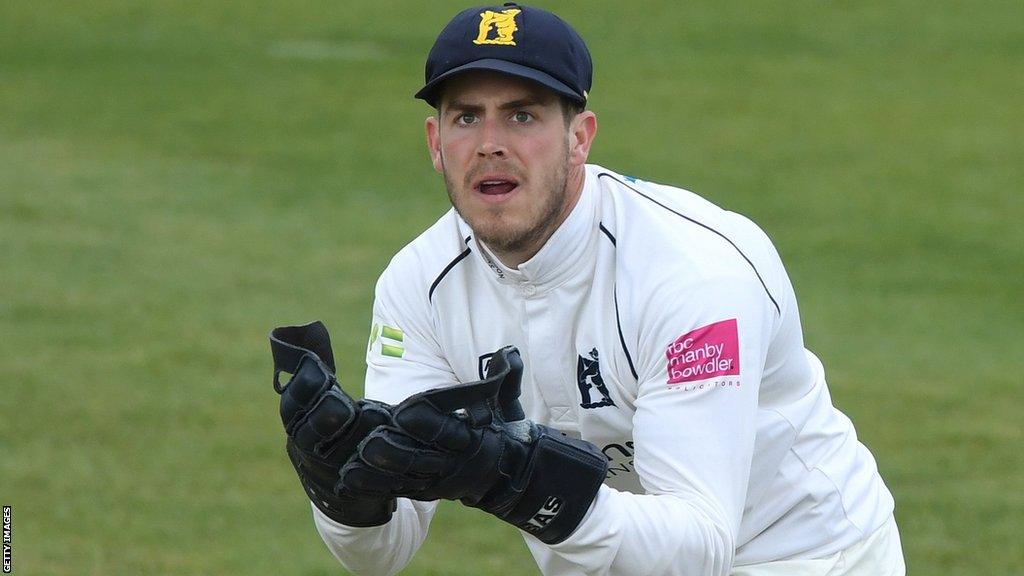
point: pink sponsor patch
(706, 352)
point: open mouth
(496, 187)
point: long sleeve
(694, 428)
(402, 358)
(381, 550)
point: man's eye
(522, 116)
(467, 118)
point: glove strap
(562, 479)
(289, 344)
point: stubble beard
(494, 229)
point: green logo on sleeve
(392, 333)
(374, 333)
(391, 340)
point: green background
(178, 177)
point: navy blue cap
(512, 39)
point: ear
(582, 130)
(434, 142)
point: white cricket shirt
(664, 330)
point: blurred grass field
(178, 177)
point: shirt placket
(548, 334)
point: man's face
(512, 165)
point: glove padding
(324, 425)
(472, 443)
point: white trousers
(880, 554)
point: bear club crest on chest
(593, 392)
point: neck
(574, 187)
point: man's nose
(492, 140)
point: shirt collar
(564, 251)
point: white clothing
(881, 554)
(664, 330)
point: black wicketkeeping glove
(472, 443)
(324, 425)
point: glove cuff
(562, 478)
(356, 512)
